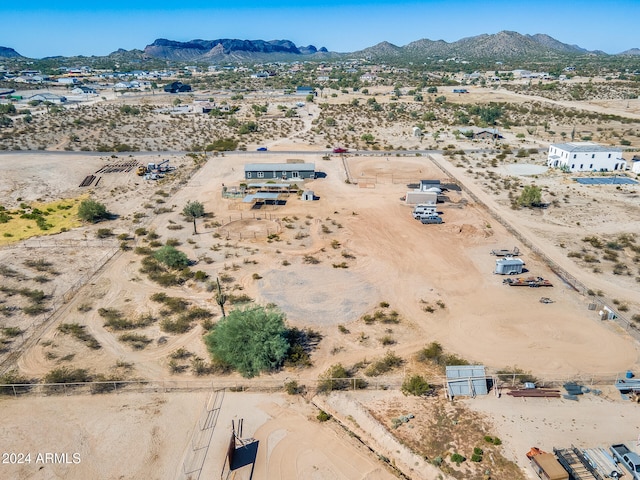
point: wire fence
(45, 242)
(597, 302)
(291, 385)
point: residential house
(69, 81)
(585, 157)
(280, 171)
(84, 90)
(177, 87)
(48, 97)
(304, 90)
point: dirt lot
(325, 264)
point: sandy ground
(592, 421)
(158, 436)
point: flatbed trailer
(506, 252)
(532, 282)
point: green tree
(193, 210)
(367, 137)
(531, 195)
(92, 211)
(251, 340)
(171, 257)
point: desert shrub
(92, 211)
(171, 257)
(492, 440)
(79, 332)
(34, 309)
(175, 304)
(137, 341)
(292, 387)
(415, 385)
(10, 332)
(67, 375)
(104, 233)
(180, 325)
(457, 458)
(337, 377)
(384, 365)
(435, 354)
(387, 340)
(13, 377)
(519, 374)
(301, 343)
(323, 416)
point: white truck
(424, 210)
(629, 459)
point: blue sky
(41, 28)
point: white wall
(585, 161)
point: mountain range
(504, 45)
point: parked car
(431, 219)
(261, 149)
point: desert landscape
(375, 288)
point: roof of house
(579, 147)
(289, 167)
(47, 96)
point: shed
(415, 197)
(280, 171)
(466, 380)
(308, 195)
(417, 132)
(509, 266)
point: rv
(424, 209)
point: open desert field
(331, 265)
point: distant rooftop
(252, 167)
(576, 147)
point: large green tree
(193, 210)
(92, 211)
(252, 340)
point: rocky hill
(214, 50)
(502, 45)
(6, 52)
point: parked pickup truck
(629, 459)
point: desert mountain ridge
(502, 45)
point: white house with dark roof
(585, 157)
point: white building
(585, 157)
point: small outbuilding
(466, 381)
(509, 266)
(416, 197)
(308, 196)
